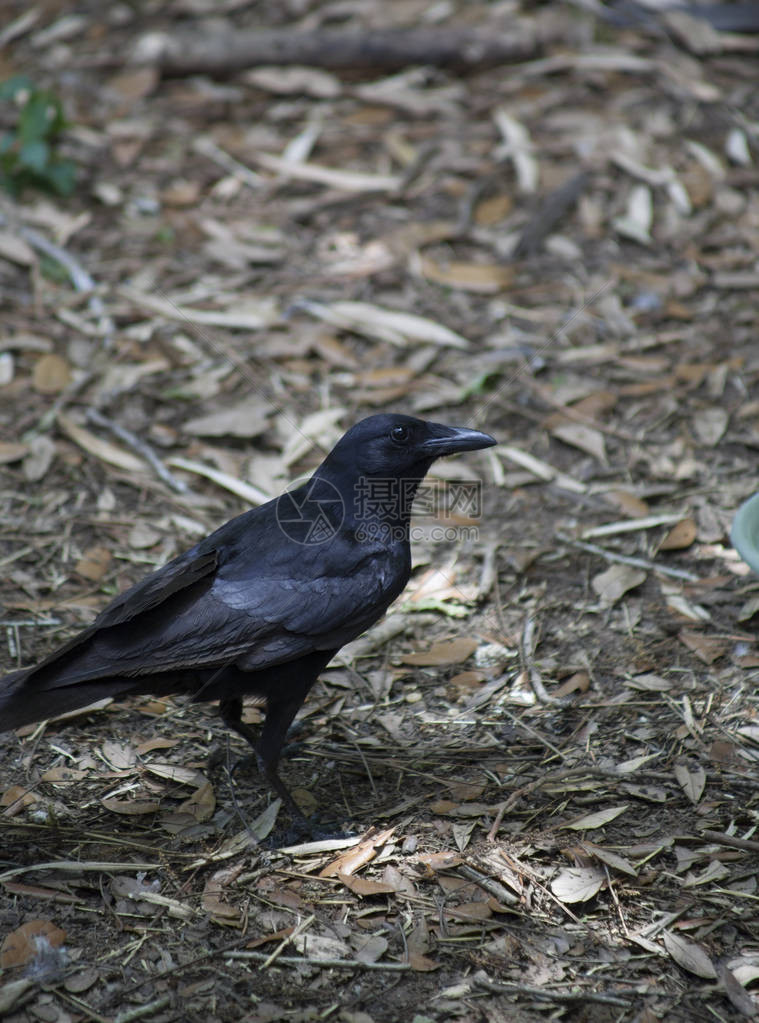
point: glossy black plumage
(262, 604)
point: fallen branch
(224, 53)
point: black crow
(263, 604)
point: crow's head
(390, 445)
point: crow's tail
(23, 701)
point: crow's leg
(267, 748)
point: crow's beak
(448, 440)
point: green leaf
(10, 88)
(34, 122)
(62, 176)
(34, 155)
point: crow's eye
(399, 434)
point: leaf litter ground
(547, 752)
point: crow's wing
(148, 595)
(190, 616)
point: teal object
(744, 534)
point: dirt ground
(546, 754)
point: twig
(524, 790)
(287, 940)
(546, 995)
(143, 1010)
(207, 147)
(143, 449)
(526, 650)
(223, 53)
(79, 277)
(494, 888)
(623, 559)
(345, 964)
(730, 840)
(75, 867)
(552, 209)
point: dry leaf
(612, 584)
(470, 911)
(680, 536)
(15, 798)
(577, 884)
(52, 374)
(11, 451)
(444, 860)
(61, 773)
(16, 250)
(707, 648)
(39, 459)
(586, 438)
(294, 80)
(21, 946)
(742, 1000)
(691, 782)
(610, 858)
(597, 819)
(389, 325)
(690, 956)
(710, 425)
(480, 278)
(628, 503)
(636, 224)
(358, 856)
(348, 181)
(94, 563)
(452, 651)
(182, 775)
(369, 949)
(201, 803)
(365, 886)
(577, 683)
(421, 963)
(119, 755)
(215, 899)
(101, 449)
(246, 420)
(131, 807)
(141, 536)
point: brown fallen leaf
(12, 452)
(52, 374)
(577, 683)
(131, 807)
(365, 886)
(215, 898)
(707, 648)
(20, 946)
(681, 535)
(94, 563)
(101, 449)
(481, 278)
(444, 860)
(612, 584)
(470, 911)
(628, 503)
(358, 855)
(452, 651)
